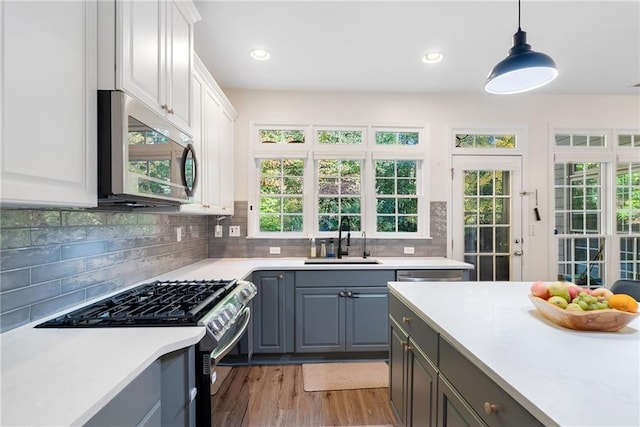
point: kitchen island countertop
(563, 377)
(65, 376)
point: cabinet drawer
(422, 334)
(346, 278)
(478, 389)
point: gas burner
(160, 303)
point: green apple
(559, 301)
(560, 289)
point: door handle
(517, 253)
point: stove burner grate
(161, 303)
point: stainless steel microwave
(143, 160)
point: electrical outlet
(217, 231)
(274, 250)
(409, 250)
(234, 230)
(179, 234)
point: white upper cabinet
(213, 139)
(48, 98)
(152, 43)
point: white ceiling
(378, 46)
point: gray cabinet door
(320, 320)
(367, 320)
(453, 411)
(422, 389)
(273, 314)
(398, 339)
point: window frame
(311, 151)
(609, 156)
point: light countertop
(563, 377)
(237, 268)
(63, 377)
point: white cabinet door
(211, 121)
(48, 98)
(153, 50)
(143, 51)
(213, 139)
(179, 66)
(226, 159)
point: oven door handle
(219, 353)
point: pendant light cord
(518, 15)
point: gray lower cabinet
(485, 398)
(273, 312)
(338, 311)
(160, 395)
(413, 376)
(453, 411)
(433, 384)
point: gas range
(211, 303)
(221, 306)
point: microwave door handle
(189, 190)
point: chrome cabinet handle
(165, 107)
(350, 294)
(342, 294)
(406, 319)
(280, 276)
(170, 111)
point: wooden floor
(273, 395)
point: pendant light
(522, 70)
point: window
(281, 200)
(629, 140)
(563, 140)
(396, 196)
(370, 175)
(339, 193)
(339, 137)
(628, 217)
(597, 207)
(396, 138)
(485, 141)
(281, 136)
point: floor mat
(344, 376)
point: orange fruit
(623, 302)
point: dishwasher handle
(432, 275)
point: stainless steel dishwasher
(429, 275)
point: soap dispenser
(312, 254)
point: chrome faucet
(345, 252)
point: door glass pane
(487, 222)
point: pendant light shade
(522, 70)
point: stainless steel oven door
(232, 336)
(205, 361)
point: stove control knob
(215, 325)
(225, 316)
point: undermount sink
(345, 260)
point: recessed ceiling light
(260, 54)
(432, 57)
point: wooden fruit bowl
(608, 320)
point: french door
(487, 216)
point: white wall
(538, 114)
